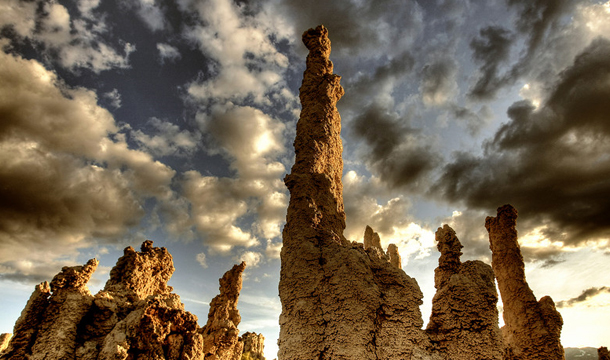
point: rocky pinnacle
(532, 328)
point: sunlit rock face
(532, 328)
(135, 317)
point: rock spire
(532, 328)
(464, 319)
(338, 300)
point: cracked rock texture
(464, 319)
(254, 346)
(135, 317)
(339, 301)
(532, 328)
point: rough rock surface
(602, 353)
(532, 328)
(135, 317)
(464, 319)
(339, 301)
(220, 334)
(254, 346)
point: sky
(173, 121)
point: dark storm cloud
(584, 296)
(551, 162)
(490, 49)
(357, 26)
(398, 152)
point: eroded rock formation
(135, 317)
(464, 319)
(339, 301)
(220, 334)
(602, 353)
(532, 328)
(254, 346)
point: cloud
(201, 259)
(69, 178)
(150, 13)
(490, 48)
(402, 155)
(72, 43)
(114, 97)
(246, 62)
(168, 140)
(253, 259)
(438, 82)
(168, 52)
(549, 162)
(357, 27)
(584, 296)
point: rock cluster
(350, 300)
(532, 328)
(134, 317)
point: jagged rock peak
(138, 275)
(602, 353)
(74, 277)
(220, 334)
(532, 328)
(254, 346)
(371, 239)
(449, 262)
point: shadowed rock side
(532, 328)
(339, 301)
(254, 346)
(464, 319)
(135, 317)
(602, 353)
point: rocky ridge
(136, 316)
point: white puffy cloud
(252, 258)
(73, 43)
(150, 13)
(168, 52)
(69, 178)
(114, 97)
(248, 64)
(168, 139)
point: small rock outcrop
(602, 353)
(464, 319)
(220, 334)
(532, 328)
(339, 301)
(254, 346)
(371, 239)
(134, 317)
